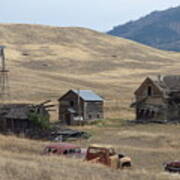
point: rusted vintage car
(106, 155)
(66, 149)
(173, 166)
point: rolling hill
(160, 29)
(44, 62)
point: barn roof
(18, 113)
(88, 95)
(15, 111)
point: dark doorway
(72, 103)
(152, 114)
(149, 91)
(68, 119)
(142, 113)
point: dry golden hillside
(45, 62)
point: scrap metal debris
(68, 134)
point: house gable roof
(152, 81)
(86, 95)
(168, 83)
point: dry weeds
(148, 145)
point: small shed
(15, 117)
(80, 106)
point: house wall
(156, 100)
(151, 112)
(150, 107)
(2, 124)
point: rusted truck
(106, 155)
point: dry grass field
(148, 145)
(45, 62)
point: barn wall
(93, 110)
(65, 103)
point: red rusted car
(173, 166)
(66, 149)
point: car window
(65, 152)
(71, 151)
(50, 150)
(47, 150)
(54, 150)
(77, 150)
(111, 151)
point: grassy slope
(62, 58)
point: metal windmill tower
(4, 87)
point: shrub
(39, 120)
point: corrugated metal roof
(88, 95)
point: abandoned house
(15, 117)
(80, 106)
(158, 99)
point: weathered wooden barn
(80, 106)
(158, 99)
(15, 118)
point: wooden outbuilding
(157, 99)
(80, 106)
(15, 118)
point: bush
(39, 120)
